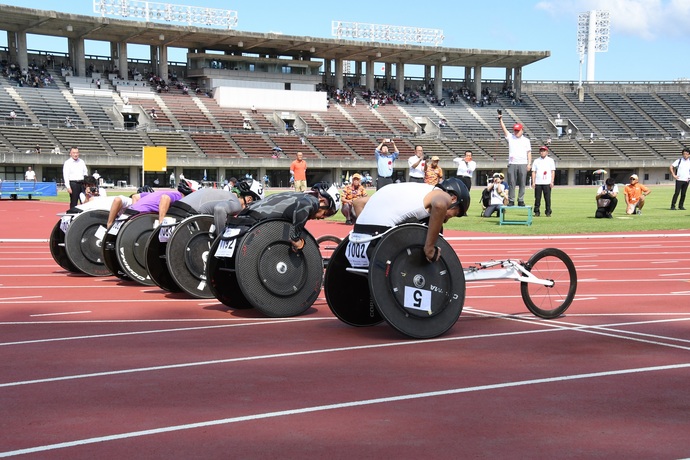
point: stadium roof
(52, 23)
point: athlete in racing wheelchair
(394, 265)
(264, 258)
(177, 250)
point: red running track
(98, 367)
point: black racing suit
(295, 207)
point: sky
(647, 42)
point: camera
(499, 111)
(387, 141)
(93, 190)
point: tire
(326, 248)
(550, 302)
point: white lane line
(20, 298)
(154, 331)
(608, 236)
(343, 405)
(62, 313)
(545, 326)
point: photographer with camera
(607, 199)
(497, 195)
(384, 163)
(417, 163)
(91, 190)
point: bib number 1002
(356, 254)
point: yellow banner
(155, 158)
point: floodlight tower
(593, 31)
(384, 32)
(154, 11)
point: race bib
(167, 228)
(65, 221)
(356, 254)
(226, 248)
(115, 229)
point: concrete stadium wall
(271, 99)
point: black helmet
(252, 188)
(330, 192)
(145, 189)
(187, 186)
(455, 186)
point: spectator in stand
(680, 170)
(13, 115)
(417, 164)
(298, 170)
(351, 193)
(30, 175)
(384, 162)
(543, 175)
(433, 173)
(466, 167)
(635, 194)
(153, 113)
(37, 149)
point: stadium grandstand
(245, 103)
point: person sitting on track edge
(410, 202)
(297, 207)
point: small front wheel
(544, 301)
(327, 244)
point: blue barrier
(16, 188)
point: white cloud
(647, 19)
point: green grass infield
(573, 213)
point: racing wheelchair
(124, 246)
(177, 253)
(254, 266)
(370, 279)
(76, 241)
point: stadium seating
(629, 127)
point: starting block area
(515, 215)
